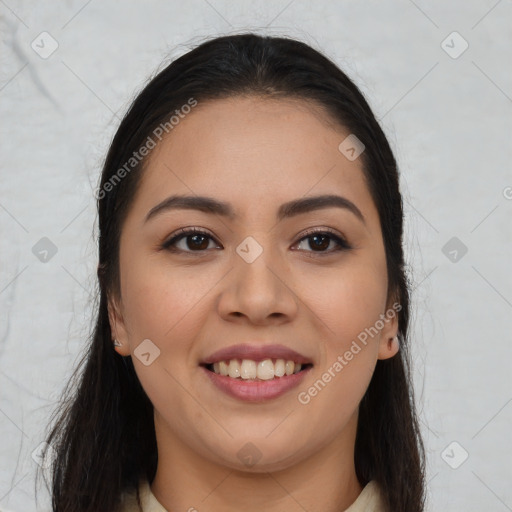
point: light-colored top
(370, 500)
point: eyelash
(342, 244)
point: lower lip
(256, 390)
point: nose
(258, 292)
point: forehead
(253, 151)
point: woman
(251, 345)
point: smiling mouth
(248, 369)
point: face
(310, 278)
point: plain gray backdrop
(437, 78)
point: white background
(449, 122)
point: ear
(117, 326)
(388, 345)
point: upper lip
(256, 353)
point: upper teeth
(248, 369)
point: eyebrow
(286, 210)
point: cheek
(168, 307)
(347, 301)
(158, 298)
(350, 303)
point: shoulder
(370, 499)
(148, 502)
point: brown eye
(320, 241)
(197, 242)
(191, 240)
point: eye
(320, 240)
(191, 240)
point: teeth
(263, 370)
(248, 369)
(234, 369)
(279, 368)
(223, 368)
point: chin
(259, 457)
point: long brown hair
(102, 434)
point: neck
(324, 481)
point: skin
(255, 154)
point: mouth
(256, 372)
(256, 362)
(252, 370)
(255, 381)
